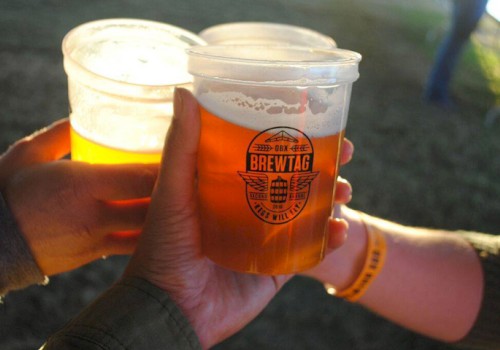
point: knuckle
(141, 182)
(147, 178)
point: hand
(337, 226)
(72, 213)
(341, 267)
(216, 301)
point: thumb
(168, 239)
(175, 186)
(45, 145)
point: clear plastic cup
(121, 77)
(265, 33)
(273, 120)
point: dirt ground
(33, 93)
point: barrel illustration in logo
(278, 174)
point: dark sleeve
(18, 269)
(485, 334)
(132, 315)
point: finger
(122, 216)
(178, 168)
(343, 191)
(171, 221)
(346, 152)
(337, 210)
(114, 182)
(45, 145)
(119, 244)
(337, 232)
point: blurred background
(414, 163)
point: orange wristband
(375, 257)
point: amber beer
(272, 122)
(286, 234)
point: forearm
(133, 314)
(431, 281)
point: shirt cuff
(18, 269)
(133, 314)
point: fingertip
(337, 230)
(178, 102)
(347, 151)
(343, 191)
(178, 166)
(185, 121)
(184, 132)
(185, 104)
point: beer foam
(325, 108)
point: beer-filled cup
(272, 124)
(121, 78)
(265, 33)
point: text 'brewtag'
(278, 174)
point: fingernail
(346, 227)
(178, 102)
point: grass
(416, 163)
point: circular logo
(278, 174)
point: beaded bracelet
(376, 252)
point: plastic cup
(264, 33)
(273, 120)
(121, 78)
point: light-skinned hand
(71, 213)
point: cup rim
(230, 29)
(213, 52)
(254, 64)
(67, 48)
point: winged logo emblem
(278, 174)
(258, 182)
(299, 182)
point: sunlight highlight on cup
(121, 78)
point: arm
(58, 215)
(181, 288)
(171, 296)
(432, 280)
(133, 314)
(169, 286)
